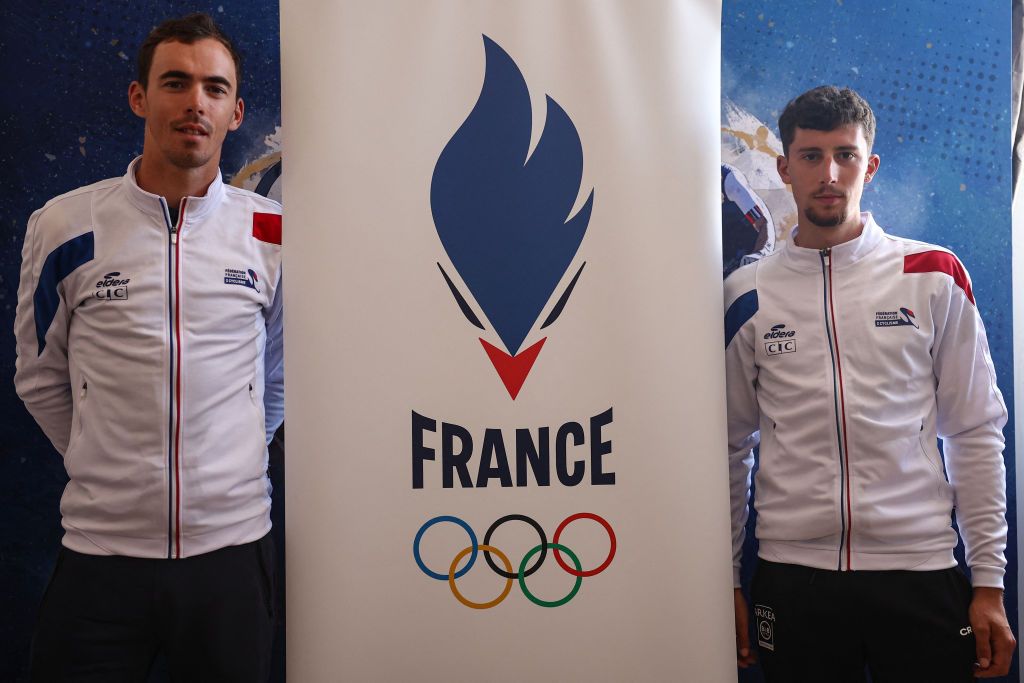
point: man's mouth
(192, 129)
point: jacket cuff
(987, 577)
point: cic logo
(525, 569)
(112, 287)
(779, 340)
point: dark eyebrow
(841, 148)
(174, 74)
(218, 80)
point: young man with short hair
(848, 352)
(149, 345)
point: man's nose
(830, 171)
(196, 103)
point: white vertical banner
(505, 401)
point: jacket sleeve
(273, 364)
(41, 368)
(970, 419)
(743, 415)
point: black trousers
(819, 625)
(105, 618)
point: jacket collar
(842, 255)
(151, 204)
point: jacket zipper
(839, 406)
(174, 381)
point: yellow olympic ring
(480, 605)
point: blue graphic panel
(503, 214)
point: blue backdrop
(66, 123)
(937, 75)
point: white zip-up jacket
(845, 364)
(150, 353)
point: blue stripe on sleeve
(60, 263)
(742, 310)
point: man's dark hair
(188, 30)
(826, 108)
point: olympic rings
(611, 550)
(555, 603)
(480, 605)
(543, 545)
(472, 550)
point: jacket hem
(818, 558)
(156, 548)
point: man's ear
(239, 114)
(872, 169)
(782, 165)
(137, 99)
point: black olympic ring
(543, 542)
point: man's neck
(812, 236)
(173, 183)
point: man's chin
(189, 159)
(825, 220)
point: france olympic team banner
(505, 404)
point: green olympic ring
(522, 575)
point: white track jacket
(845, 364)
(151, 355)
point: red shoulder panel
(266, 227)
(939, 262)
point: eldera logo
(779, 340)
(112, 287)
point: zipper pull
(174, 234)
(826, 253)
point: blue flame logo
(503, 214)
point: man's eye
(175, 85)
(217, 90)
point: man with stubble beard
(149, 344)
(849, 352)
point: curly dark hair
(826, 108)
(188, 30)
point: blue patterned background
(937, 76)
(65, 122)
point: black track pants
(819, 625)
(104, 618)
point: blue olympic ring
(432, 522)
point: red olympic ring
(611, 537)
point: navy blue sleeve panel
(740, 311)
(59, 263)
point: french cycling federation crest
(503, 215)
